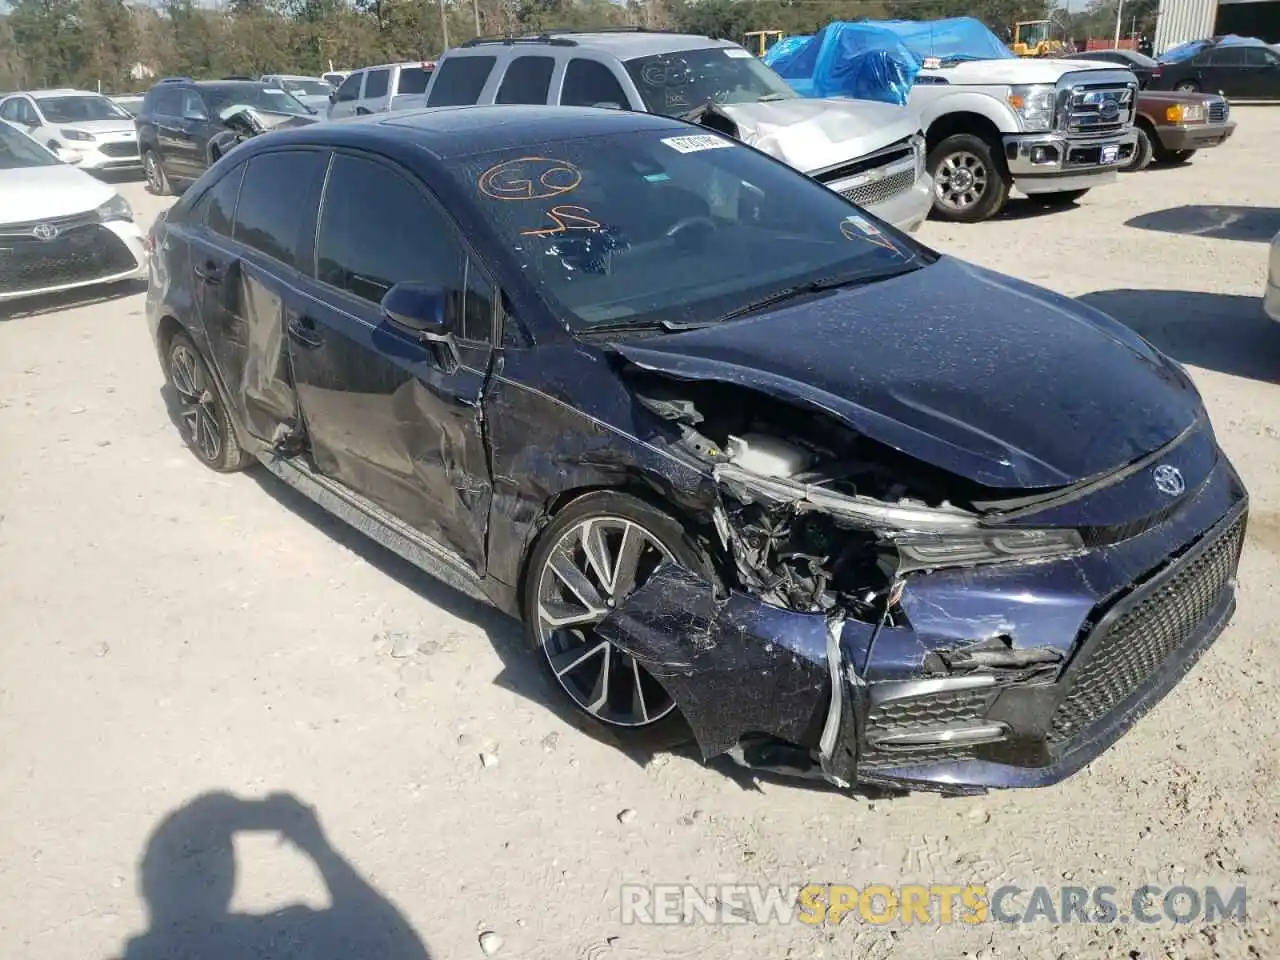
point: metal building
(1181, 20)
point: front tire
(593, 555)
(1143, 151)
(206, 422)
(969, 182)
(157, 181)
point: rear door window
(412, 80)
(277, 206)
(376, 85)
(219, 204)
(350, 89)
(527, 80)
(589, 82)
(459, 81)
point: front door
(1260, 76)
(393, 418)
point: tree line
(119, 46)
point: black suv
(185, 125)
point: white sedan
(84, 128)
(60, 228)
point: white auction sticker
(738, 52)
(697, 142)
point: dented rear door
(395, 419)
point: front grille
(79, 255)
(23, 230)
(1218, 110)
(878, 191)
(1137, 645)
(892, 154)
(1096, 110)
(119, 149)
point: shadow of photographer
(188, 874)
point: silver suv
(872, 153)
(380, 89)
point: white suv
(81, 127)
(381, 89)
(871, 153)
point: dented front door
(395, 419)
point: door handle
(209, 273)
(302, 330)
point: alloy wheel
(195, 403)
(961, 180)
(595, 565)
(152, 171)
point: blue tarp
(1185, 51)
(877, 59)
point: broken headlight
(924, 537)
(926, 551)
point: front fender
(942, 101)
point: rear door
(389, 416)
(257, 225)
(1225, 72)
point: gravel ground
(168, 633)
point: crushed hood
(812, 135)
(1006, 384)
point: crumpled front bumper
(854, 702)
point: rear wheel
(205, 421)
(595, 554)
(969, 184)
(157, 182)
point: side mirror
(420, 309)
(195, 116)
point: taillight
(1155, 71)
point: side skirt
(377, 524)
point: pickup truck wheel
(969, 183)
(1059, 198)
(1142, 153)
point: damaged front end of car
(879, 621)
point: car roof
(623, 44)
(450, 132)
(56, 92)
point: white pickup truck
(1051, 129)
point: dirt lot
(166, 632)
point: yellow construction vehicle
(759, 41)
(1031, 39)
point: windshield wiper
(821, 285)
(670, 326)
(771, 97)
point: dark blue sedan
(747, 462)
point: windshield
(1034, 33)
(17, 150)
(80, 108)
(675, 83)
(670, 226)
(271, 99)
(307, 88)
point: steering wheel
(681, 227)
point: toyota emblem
(45, 231)
(1168, 480)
